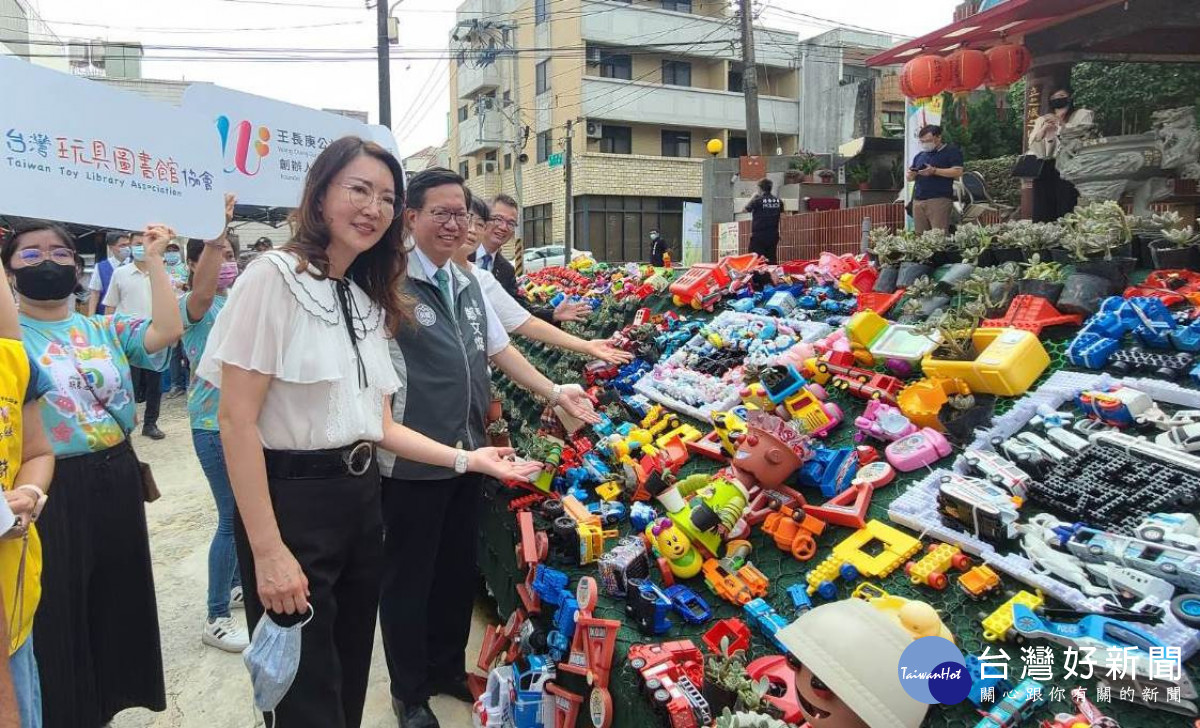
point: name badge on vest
(425, 315)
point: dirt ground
(208, 688)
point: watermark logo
(932, 670)
(244, 145)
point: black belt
(310, 464)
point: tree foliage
(985, 131)
(1124, 95)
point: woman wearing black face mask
(1053, 196)
(96, 635)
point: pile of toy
(773, 424)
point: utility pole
(384, 52)
(518, 148)
(750, 82)
(570, 207)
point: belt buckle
(358, 460)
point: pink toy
(923, 447)
(883, 422)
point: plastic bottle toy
(673, 544)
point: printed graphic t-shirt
(203, 397)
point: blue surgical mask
(273, 658)
(123, 254)
(139, 252)
(171, 257)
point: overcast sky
(419, 85)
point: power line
(832, 24)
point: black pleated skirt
(96, 630)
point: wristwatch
(460, 462)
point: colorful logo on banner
(243, 145)
(932, 670)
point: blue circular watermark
(933, 670)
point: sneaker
(225, 633)
(236, 601)
(176, 393)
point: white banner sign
(727, 239)
(693, 233)
(268, 145)
(79, 151)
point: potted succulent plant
(1175, 248)
(801, 168)
(972, 242)
(883, 247)
(956, 327)
(916, 255)
(1005, 247)
(826, 176)
(858, 175)
(1098, 241)
(922, 299)
(964, 414)
(727, 687)
(993, 286)
(1043, 279)
(728, 719)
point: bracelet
(555, 395)
(41, 499)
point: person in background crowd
(934, 168)
(765, 209)
(26, 469)
(96, 634)
(177, 269)
(1054, 196)
(213, 269)
(118, 255)
(299, 431)
(490, 257)
(130, 294)
(262, 245)
(659, 247)
(432, 510)
(515, 318)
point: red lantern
(1007, 64)
(968, 70)
(924, 77)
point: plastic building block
(897, 547)
(688, 604)
(1166, 365)
(998, 626)
(931, 569)
(979, 581)
(1016, 708)
(763, 616)
(1032, 313)
(1091, 350)
(1009, 361)
(732, 629)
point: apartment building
(646, 83)
(24, 34)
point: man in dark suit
(490, 257)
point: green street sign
(555, 160)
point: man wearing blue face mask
(129, 295)
(935, 168)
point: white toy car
(1185, 438)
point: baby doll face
(821, 708)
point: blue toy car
(830, 469)
(688, 604)
(1016, 708)
(530, 676)
(611, 512)
(647, 607)
(801, 601)
(1000, 686)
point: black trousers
(1053, 196)
(333, 528)
(429, 580)
(147, 387)
(765, 248)
(95, 633)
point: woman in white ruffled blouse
(300, 354)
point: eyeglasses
(441, 217)
(363, 197)
(503, 222)
(34, 256)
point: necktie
(443, 281)
(486, 261)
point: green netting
(960, 613)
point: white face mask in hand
(273, 658)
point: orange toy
(794, 531)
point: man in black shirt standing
(764, 228)
(935, 168)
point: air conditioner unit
(594, 57)
(490, 167)
(595, 130)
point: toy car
(924, 447)
(879, 387)
(997, 470)
(671, 673)
(984, 510)
(647, 607)
(979, 581)
(610, 512)
(1018, 707)
(1180, 530)
(883, 422)
(1186, 438)
(762, 615)
(530, 678)
(817, 417)
(688, 604)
